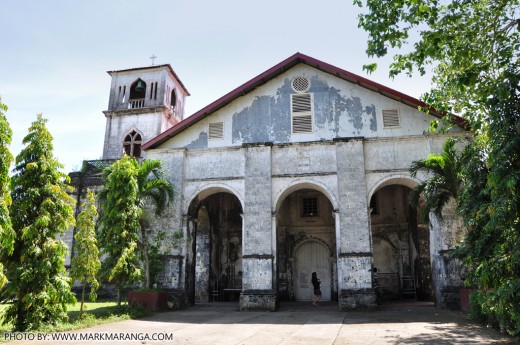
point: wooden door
(312, 257)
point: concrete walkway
(294, 323)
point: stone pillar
(202, 262)
(448, 272)
(353, 241)
(257, 257)
(176, 266)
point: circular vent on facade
(300, 84)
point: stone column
(353, 242)
(176, 265)
(257, 256)
(448, 272)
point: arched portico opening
(305, 243)
(400, 243)
(215, 256)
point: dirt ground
(294, 323)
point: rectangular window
(391, 118)
(301, 111)
(216, 130)
(310, 207)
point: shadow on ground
(394, 323)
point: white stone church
(304, 168)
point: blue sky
(54, 55)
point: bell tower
(143, 103)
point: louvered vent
(216, 130)
(391, 118)
(301, 113)
(300, 84)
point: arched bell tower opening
(215, 257)
(173, 99)
(137, 94)
(400, 244)
(305, 243)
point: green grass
(94, 313)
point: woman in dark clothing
(316, 283)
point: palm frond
(443, 185)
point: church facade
(304, 168)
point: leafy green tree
(41, 211)
(445, 183)
(469, 43)
(490, 204)
(153, 191)
(146, 189)
(6, 158)
(86, 264)
(118, 233)
(474, 47)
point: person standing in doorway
(316, 283)
(375, 285)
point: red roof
(272, 73)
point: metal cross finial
(153, 57)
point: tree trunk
(119, 294)
(144, 238)
(82, 301)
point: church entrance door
(311, 257)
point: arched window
(132, 144)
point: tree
(6, 158)
(445, 183)
(490, 204)
(155, 190)
(41, 211)
(145, 189)
(470, 44)
(86, 264)
(474, 46)
(118, 233)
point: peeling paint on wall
(334, 112)
(200, 143)
(268, 119)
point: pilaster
(257, 260)
(353, 237)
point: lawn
(102, 311)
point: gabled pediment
(298, 102)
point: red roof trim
(272, 73)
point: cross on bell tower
(153, 57)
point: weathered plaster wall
(118, 126)
(215, 164)
(202, 257)
(154, 117)
(354, 249)
(300, 159)
(160, 75)
(341, 109)
(447, 271)
(263, 177)
(174, 274)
